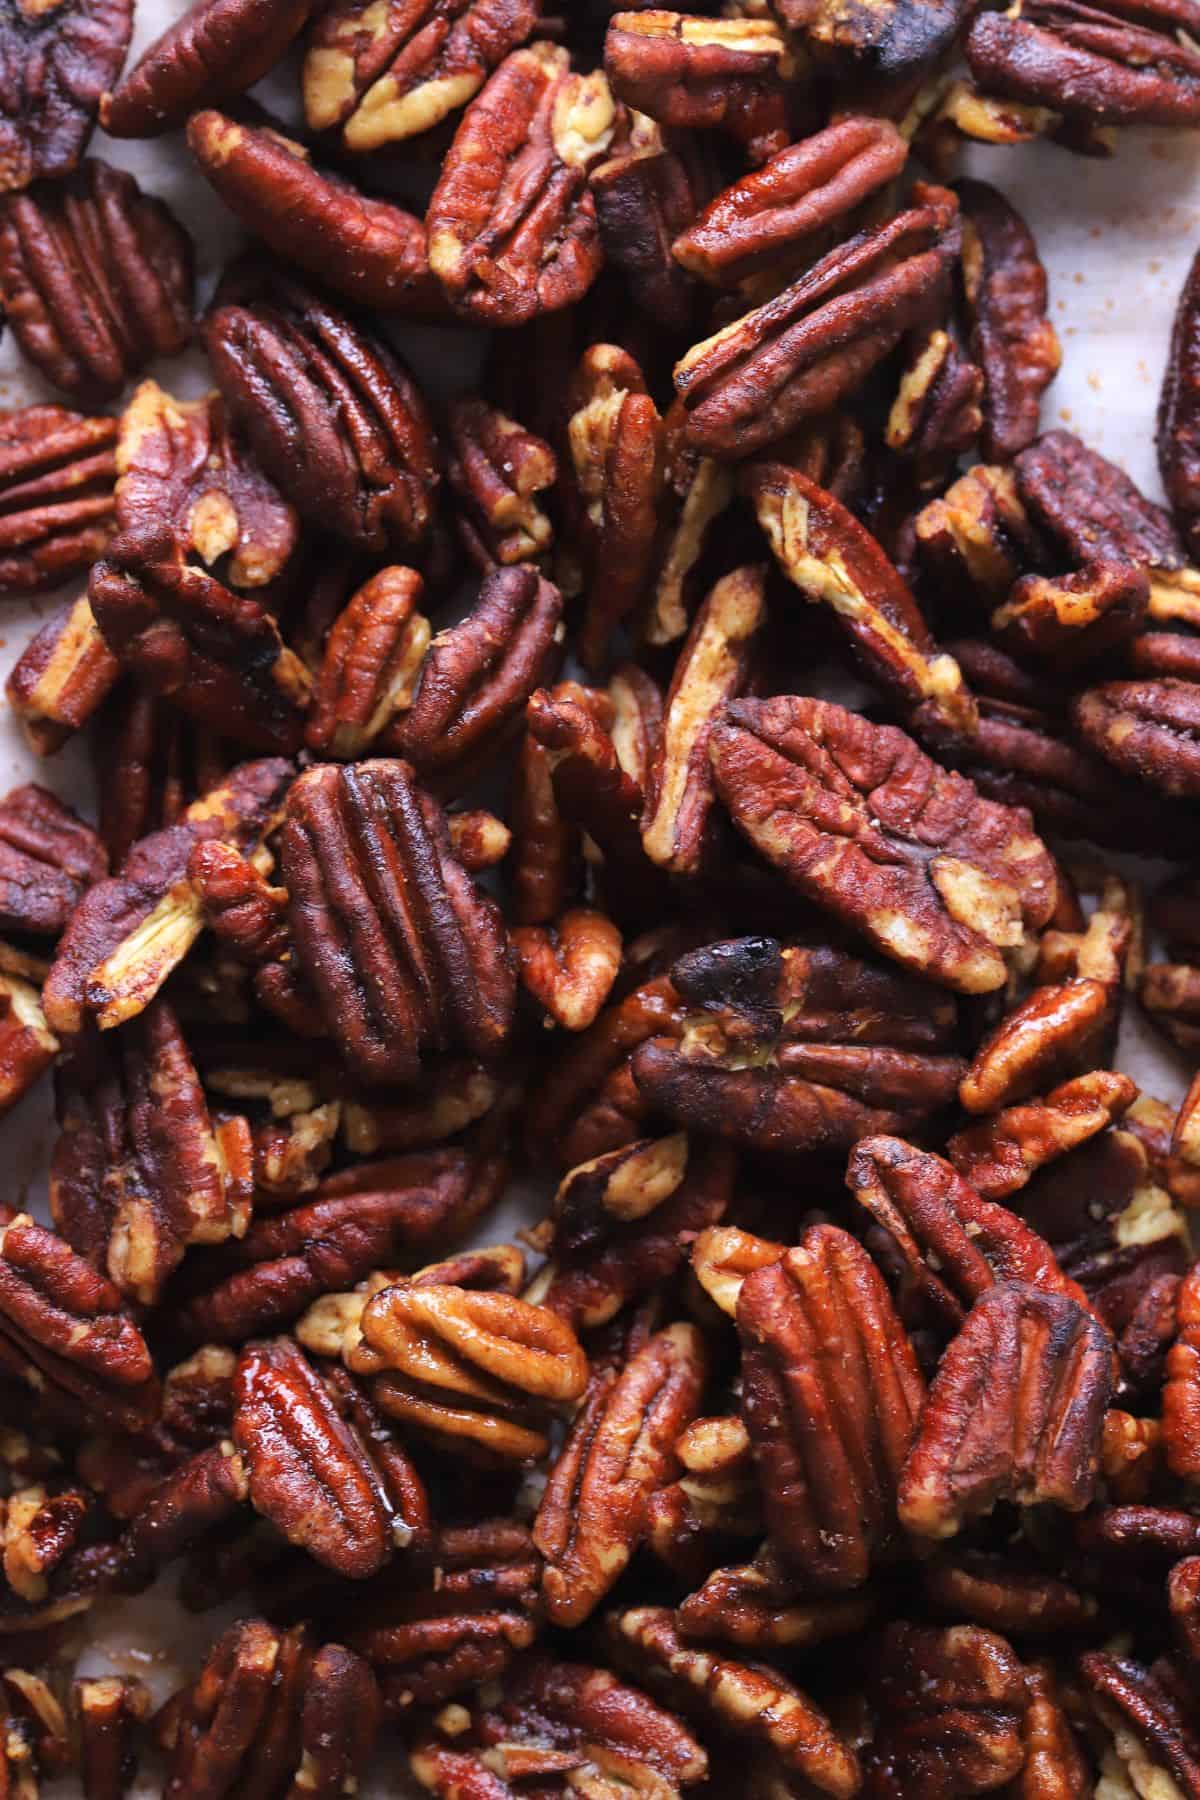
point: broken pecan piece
(1012, 340)
(56, 495)
(373, 656)
(27, 1045)
(110, 1711)
(497, 469)
(1000, 1154)
(707, 74)
(570, 966)
(1073, 618)
(60, 678)
(1181, 1388)
(214, 50)
(1145, 728)
(57, 62)
(646, 192)
(1154, 1734)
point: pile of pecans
(837, 1429)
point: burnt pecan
(333, 415)
(570, 966)
(372, 251)
(887, 46)
(711, 74)
(619, 1450)
(425, 963)
(1178, 419)
(129, 932)
(48, 858)
(1147, 729)
(372, 658)
(1000, 1154)
(379, 76)
(96, 279)
(1012, 340)
(821, 1341)
(1153, 1727)
(1015, 1411)
(216, 49)
(864, 823)
(512, 223)
(58, 60)
(801, 353)
(949, 1709)
(1073, 618)
(826, 553)
(56, 495)
(497, 469)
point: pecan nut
(48, 858)
(1073, 618)
(999, 1155)
(950, 1706)
(56, 495)
(110, 1711)
(1153, 1727)
(497, 469)
(570, 967)
(57, 63)
(1146, 729)
(1178, 419)
(63, 675)
(645, 194)
(1181, 1389)
(27, 1045)
(1012, 340)
(371, 662)
(216, 49)
(707, 74)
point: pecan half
(1147, 729)
(58, 60)
(1012, 340)
(1015, 1412)
(110, 1711)
(56, 495)
(1178, 414)
(864, 823)
(96, 279)
(1055, 1031)
(497, 469)
(27, 1045)
(60, 678)
(216, 49)
(1004, 1595)
(1073, 618)
(512, 223)
(999, 1155)
(710, 74)
(569, 967)
(1154, 1735)
(48, 858)
(372, 659)
(950, 1706)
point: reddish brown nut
(1072, 619)
(129, 932)
(1015, 1412)
(1153, 1727)
(1002, 1595)
(96, 279)
(1147, 729)
(570, 966)
(645, 194)
(803, 352)
(57, 62)
(1055, 1031)
(512, 223)
(936, 412)
(110, 1711)
(452, 1095)
(56, 495)
(372, 251)
(48, 858)
(761, 1607)
(64, 673)
(949, 1708)
(1012, 340)
(821, 1343)
(1178, 418)
(700, 490)
(620, 1449)
(497, 469)
(1181, 1389)
(333, 415)
(27, 1045)
(864, 823)
(711, 74)
(978, 535)
(826, 553)
(546, 846)
(1183, 1596)
(246, 913)
(372, 659)
(752, 1699)
(999, 1155)
(215, 50)
(776, 213)
(712, 667)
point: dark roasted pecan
(497, 469)
(1155, 1743)
(826, 553)
(129, 932)
(619, 1450)
(1147, 729)
(1015, 1412)
(512, 223)
(382, 75)
(56, 495)
(246, 913)
(372, 251)
(1000, 1154)
(1004, 1595)
(57, 62)
(1012, 340)
(760, 1605)
(803, 352)
(1073, 618)
(216, 49)
(35, 1733)
(949, 1707)
(426, 963)
(332, 414)
(821, 1343)
(48, 857)
(569, 967)
(96, 279)
(372, 659)
(645, 194)
(936, 411)
(270, 1714)
(1178, 415)
(714, 74)
(64, 673)
(110, 1711)
(864, 823)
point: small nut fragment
(497, 469)
(64, 673)
(570, 966)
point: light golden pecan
(371, 663)
(497, 469)
(724, 74)
(569, 966)
(62, 676)
(1000, 1154)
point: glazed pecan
(1055, 1031)
(56, 495)
(333, 415)
(706, 1512)
(450, 1096)
(761, 1606)
(497, 469)
(371, 251)
(866, 825)
(48, 858)
(826, 553)
(240, 906)
(1178, 420)
(1183, 1594)
(110, 1711)
(1147, 729)
(35, 1732)
(936, 412)
(129, 932)
(268, 1714)
(372, 658)
(714, 74)
(1012, 340)
(646, 193)
(380, 77)
(804, 351)
(216, 49)
(821, 1342)
(1000, 1154)
(96, 279)
(427, 964)
(1153, 1727)
(57, 62)
(1073, 618)
(569, 967)
(1015, 1412)
(512, 223)
(949, 1708)
(619, 1450)
(1004, 1595)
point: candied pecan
(1170, 993)
(978, 535)
(110, 1711)
(570, 966)
(372, 658)
(865, 824)
(1012, 340)
(826, 553)
(752, 1699)
(478, 674)
(546, 846)
(372, 251)
(821, 1341)
(804, 351)
(645, 194)
(950, 1706)
(1000, 1154)
(712, 667)
(1147, 729)
(1178, 423)
(427, 964)
(216, 49)
(245, 912)
(270, 1714)
(702, 1515)
(1055, 1031)
(56, 495)
(129, 932)
(332, 414)
(153, 763)
(512, 223)
(712, 74)
(761, 1607)
(497, 469)
(619, 1450)
(1015, 1412)
(58, 60)
(1154, 1733)
(1181, 1389)
(96, 279)
(48, 858)
(993, 1591)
